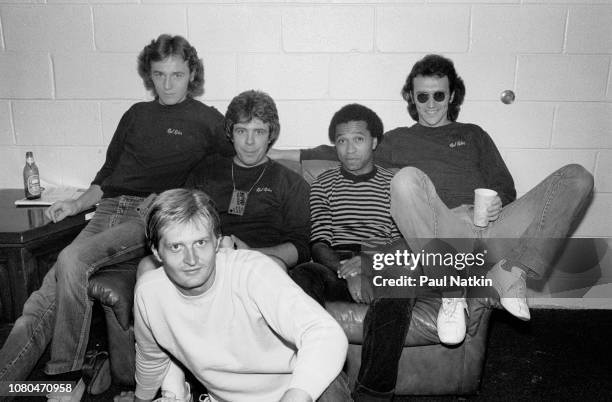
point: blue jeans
(384, 329)
(529, 232)
(60, 311)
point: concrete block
(96, 1)
(433, 28)
(556, 77)
(603, 172)
(589, 30)
(366, 76)
(485, 75)
(393, 113)
(98, 76)
(220, 75)
(46, 29)
(520, 125)
(199, 1)
(25, 75)
(110, 114)
(1, 37)
(583, 125)
(235, 28)
(12, 160)
(567, 1)
(597, 221)
(362, 1)
(6, 127)
(328, 29)
(128, 28)
(518, 29)
(609, 90)
(285, 76)
(57, 123)
(304, 123)
(88, 159)
(477, 1)
(529, 167)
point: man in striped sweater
(350, 211)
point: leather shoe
(511, 286)
(96, 372)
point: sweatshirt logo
(174, 131)
(455, 144)
(263, 190)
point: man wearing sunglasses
(442, 162)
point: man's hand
(350, 267)
(61, 209)
(494, 209)
(295, 395)
(360, 289)
(226, 242)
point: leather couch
(426, 366)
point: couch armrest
(113, 286)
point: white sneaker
(451, 320)
(74, 396)
(512, 288)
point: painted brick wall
(68, 72)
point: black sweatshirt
(156, 146)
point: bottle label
(33, 184)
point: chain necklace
(239, 198)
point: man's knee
(580, 178)
(407, 180)
(68, 264)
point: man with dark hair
(155, 146)
(432, 198)
(350, 212)
(232, 317)
(263, 205)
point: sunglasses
(438, 96)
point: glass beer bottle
(31, 180)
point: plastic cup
(483, 197)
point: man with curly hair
(155, 146)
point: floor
(560, 355)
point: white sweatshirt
(250, 337)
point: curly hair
(180, 205)
(357, 112)
(165, 46)
(248, 105)
(438, 66)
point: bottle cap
(29, 154)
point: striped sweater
(348, 210)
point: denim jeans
(60, 311)
(384, 330)
(529, 232)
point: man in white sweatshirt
(231, 317)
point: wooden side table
(29, 245)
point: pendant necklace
(239, 198)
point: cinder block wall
(68, 72)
